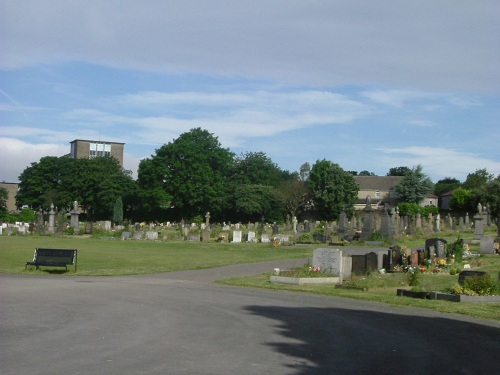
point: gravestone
(125, 235)
(479, 223)
(368, 222)
(358, 265)
(251, 237)
(329, 260)
(487, 245)
(193, 237)
(52, 219)
(75, 214)
(206, 235)
(237, 236)
(342, 224)
(414, 258)
(468, 273)
(138, 235)
(1, 231)
(371, 262)
(39, 222)
(275, 228)
(435, 246)
(152, 236)
(265, 238)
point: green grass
(98, 257)
(114, 257)
(382, 288)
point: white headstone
(237, 236)
(328, 260)
(265, 238)
(251, 237)
(150, 235)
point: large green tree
(4, 196)
(398, 171)
(332, 189)
(414, 186)
(191, 171)
(477, 180)
(94, 183)
(445, 185)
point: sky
(369, 85)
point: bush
(306, 237)
(482, 285)
(414, 276)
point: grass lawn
(98, 257)
(113, 257)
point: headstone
(371, 261)
(465, 274)
(265, 238)
(107, 225)
(367, 230)
(294, 224)
(329, 260)
(206, 235)
(414, 258)
(418, 221)
(1, 231)
(207, 219)
(52, 219)
(479, 223)
(39, 222)
(194, 237)
(151, 235)
(342, 224)
(358, 265)
(75, 214)
(435, 247)
(487, 245)
(125, 235)
(437, 224)
(138, 235)
(251, 237)
(275, 228)
(237, 236)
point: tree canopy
(332, 189)
(414, 186)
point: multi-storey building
(91, 149)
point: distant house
(430, 200)
(446, 200)
(381, 189)
(11, 188)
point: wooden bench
(53, 258)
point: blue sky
(367, 85)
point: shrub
(306, 237)
(414, 276)
(482, 285)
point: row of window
(99, 149)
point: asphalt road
(182, 323)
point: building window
(99, 149)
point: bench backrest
(55, 256)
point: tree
(255, 168)
(94, 183)
(414, 186)
(366, 173)
(477, 180)
(305, 170)
(4, 196)
(118, 211)
(398, 171)
(445, 185)
(293, 194)
(332, 189)
(191, 170)
(493, 201)
(461, 200)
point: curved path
(181, 323)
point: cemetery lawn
(382, 288)
(115, 257)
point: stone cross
(207, 219)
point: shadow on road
(342, 341)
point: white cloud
(17, 155)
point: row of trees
(194, 174)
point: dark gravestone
(396, 255)
(465, 274)
(358, 264)
(435, 246)
(371, 262)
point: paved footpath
(183, 323)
